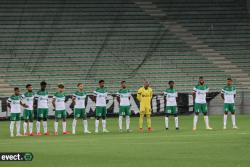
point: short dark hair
(201, 77)
(123, 82)
(28, 85)
(229, 79)
(16, 88)
(43, 83)
(170, 82)
(79, 84)
(101, 81)
(60, 86)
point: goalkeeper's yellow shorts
(145, 110)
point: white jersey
(101, 97)
(229, 93)
(42, 99)
(28, 99)
(59, 101)
(15, 106)
(200, 93)
(171, 96)
(124, 95)
(79, 99)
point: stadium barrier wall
(185, 105)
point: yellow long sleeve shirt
(144, 96)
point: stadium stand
(84, 41)
(221, 26)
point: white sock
(45, 126)
(12, 123)
(18, 127)
(56, 126)
(166, 122)
(96, 125)
(38, 127)
(64, 126)
(25, 125)
(233, 120)
(74, 125)
(120, 122)
(127, 122)
(85, 125)
(206, 121)
(104, 124)
(31, 127)
(176, 122)
(195, 120)
(225, 120)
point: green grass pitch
(183, 148)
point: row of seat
(84, 41)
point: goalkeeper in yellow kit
(144, 95)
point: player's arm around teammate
(228, 94)
(170, 96)
(123, 97)
(200, 104)
(58, 103)
(28, 113)
(14, 103)
(42, 109)
(79, 100)
(100, 98)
